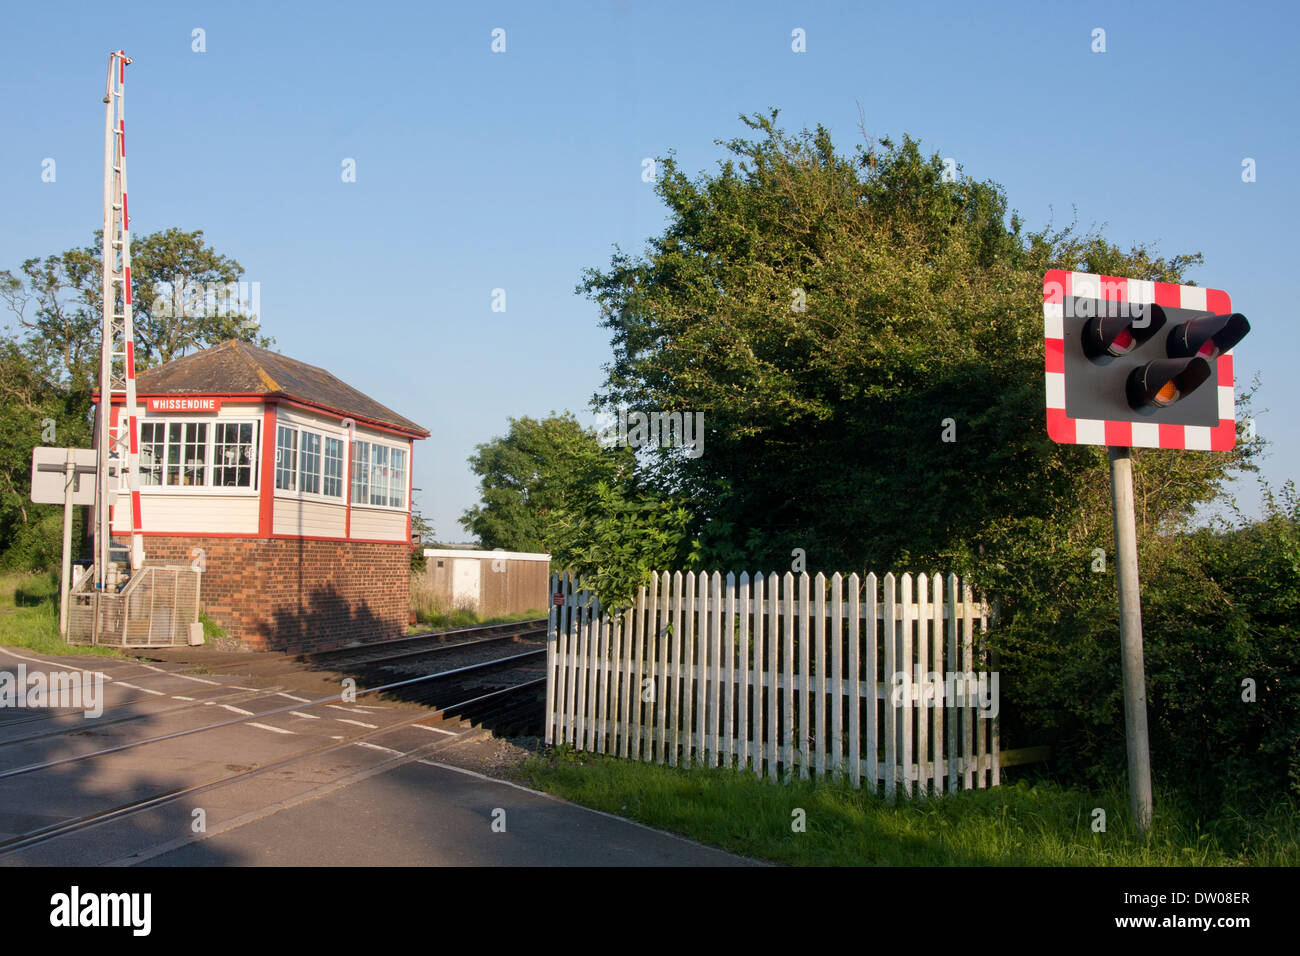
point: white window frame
(209, 455)
(323, 432)
(371, 443)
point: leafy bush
(1221, 607)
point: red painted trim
(340, 415)
(112, 438)
(126, 216)
(152, 404)
(1223, 437)
(347, 489)
(130, 359)
(315, 537)
(237, 398)
(127, 272)
(266, 491)
(410, 480)
(1055, 354)
(268, 537)
(1119, 434)
(273, 397)
(1060, 428)
(1171, 436)
(1169, 294)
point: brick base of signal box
(297, 595)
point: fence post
(661, 703)
(855, 682)
(837, 675)
(890, 642)
(552, 679)
(742, 734)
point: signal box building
(289, 488)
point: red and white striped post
(117, 446)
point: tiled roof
(237, 367)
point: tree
(864, 338)
(551, 486)
(32, 413)
(829, 315)
(180, 301)
(526, 476)
(49, 355)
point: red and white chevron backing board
(1061, 428)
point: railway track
(504, 694)
(411, 649)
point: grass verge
(29, 615)
(459, 617)
(1018, 824)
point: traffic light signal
(1135, 363)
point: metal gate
(155, 609)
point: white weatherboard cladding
(307, 517)
(375, 524)
(288, 415)
(188, 513)
(229, 410)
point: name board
(179, 404)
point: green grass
(29, 615)
(1018, 824)
(212, 631)
(459, 617)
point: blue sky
(478, 170)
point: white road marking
(274, 730)
(437, 730)
(298, 713)
(335, 737)
(387, 750)
(37, 660)
(146, 690)
(163, 670)
(237, 687)
(344, 720)
(301, 700)
(179, 697)
(350, 710)
(237, 710)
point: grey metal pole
(65, 582)
(1130, 634)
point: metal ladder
(117, 439)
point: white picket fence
(837, 679)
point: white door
(465, 582)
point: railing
(154, 609)
(840, 677)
